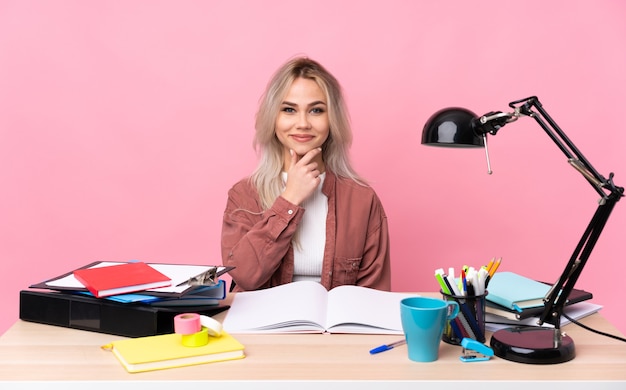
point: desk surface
(35, 352)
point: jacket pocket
(345, 270)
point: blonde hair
(267, 176)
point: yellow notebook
(166, 351)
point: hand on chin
(301, 150)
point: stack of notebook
(125, 298)
(516, 299)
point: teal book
(515, 291)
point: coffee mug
(423, 321)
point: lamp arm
(574, 155)
(556, 298)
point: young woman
(304, 214)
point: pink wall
(123, 124)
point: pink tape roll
(187, 323)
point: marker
(442, 283)
(473, 277)
(482, 280)
(451, 273)
(387, 347)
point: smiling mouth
(302, 138)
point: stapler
(473, 351)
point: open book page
(306, 307)
(354, 309)
(294, 307)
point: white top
(311, 236)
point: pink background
(124, 123)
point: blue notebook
(515, 291)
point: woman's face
(302, 122)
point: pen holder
(471, 319)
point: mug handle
(452, 311)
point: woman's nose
(303, 121)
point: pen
(453, 287)
(387, 347)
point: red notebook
(121, 279)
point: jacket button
(290, 212)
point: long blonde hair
(267, 176)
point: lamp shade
(452, 127)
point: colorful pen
(464, 281)
(387, 347)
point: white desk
(67, 357)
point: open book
(306, 307)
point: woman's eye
(317, 110)
(288, 109)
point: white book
(306, 307)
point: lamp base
(533, 345)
